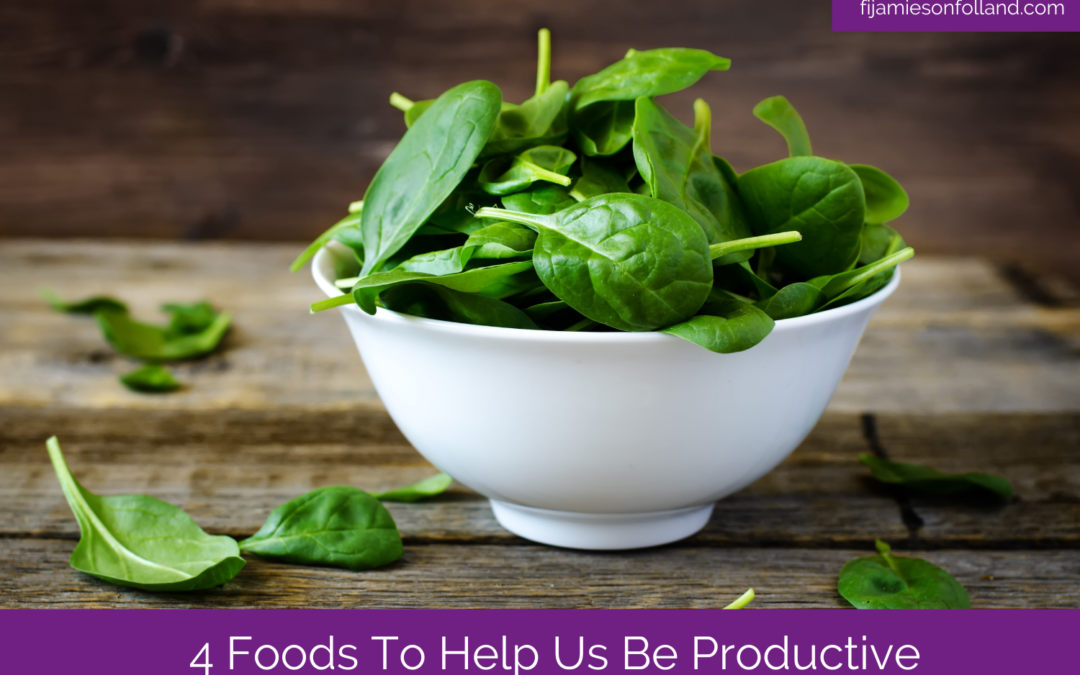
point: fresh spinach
(602, 104)
(425, 167)
(597, 186)
(821, 199)
(927, 481)
(543, 199)
(333, 526)
(886, 581)
(630, 262)
(154, 343)
(743, 600)
(677, 164)
(414, 492)
(87, 306)
(779, 114)
(151, 378)
(506, 175)
(143, 542)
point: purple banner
(958, 16)
(212, 642)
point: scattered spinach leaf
(886, 581)
(332, 526)
(151, 378)
(153, 343)
(87, 306)
(414, 492)
(927, 481)
(143, 542)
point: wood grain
(262, 120)
(35, 573)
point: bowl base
(601, 531)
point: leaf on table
(428, 487)
(924, 480)
(87, 306)
(886, 581)
(336, 526)
(151, 378)
(143, 542)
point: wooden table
(961, 369)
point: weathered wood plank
(35, 573)
(956, 336)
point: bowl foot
(601, 531)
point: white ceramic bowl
(601, 440)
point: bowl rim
(382, 314)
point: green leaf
(888, 582)
(629, 262)
(151, 378)
(597, 178)
(429, 301)
(542, 199)
(724, 326)
(501, 240)
(779, 114)
(541, 120)
(793, 300)
(927, 481)
(602, 108)
(677, 164)
(143, 542)
(87, 306)
(333, 526)
(153, 343)
(878, 241)
(506, 175)
(425, 167)
(429, 487)
(819, 198)
(885, 199)
(189, 319)
(494, 281)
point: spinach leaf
(793, 300)
(629, 262)
(676, 163)
(414, 492)
(151, 378)
(885, 581)
(924, 480)
(597, 178)
(153, 343)
(501, 240)
(425, 167)
(743, 600)
(189, 318)
(494, 281)
(877, 242)
(542, 199)
(602, 104)
(779, 114)
(333, 526)
(351, 221)
(87, 306)
(429, 301)
(885, 199)
(832, 286)
(143, 542)
(820, 198)
(724, 325)
(505, 175)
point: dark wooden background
(262, 119)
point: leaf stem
(842, 282)
(330, 303)
(750, 243)
(543, 62)
(743, 600)
(400, 102)
(510, 216)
